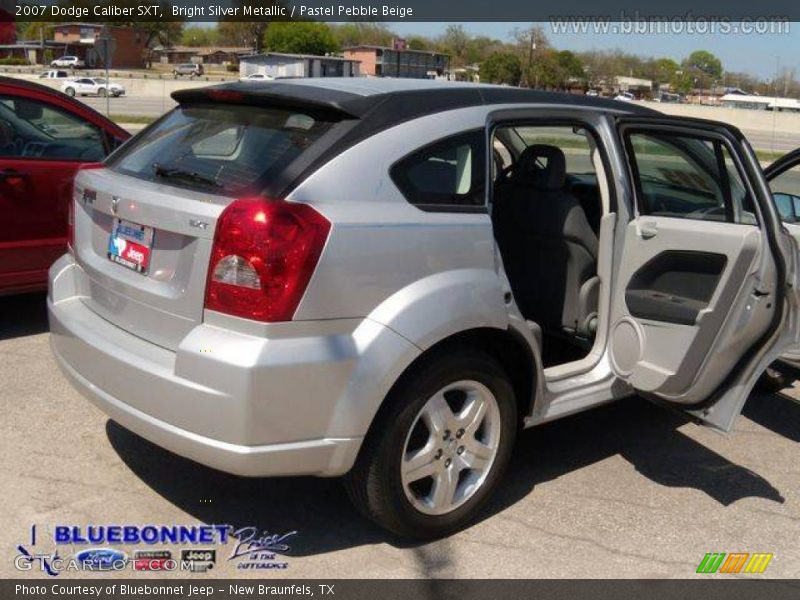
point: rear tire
(466, 455)
(774, 380)
(70, 92)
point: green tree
(662, 70)
(479, 48)
(501, 67)
(683, 81)
(357, 34)
(34, 31)
(300, 37)
(705, 62)
(569, 65)
(533, 49)
(199, 36)
(418, 42)
(454, 42)
(165, 33)
(246, 34)
(703, 68)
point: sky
(755, 54)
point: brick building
(398, 61)
(79, 40)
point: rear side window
(448, 175)
(688, 177)
(225, 149)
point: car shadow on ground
(319, 510)
(777, 412)
(23, 314)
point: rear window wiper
(175, 173)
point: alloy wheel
(451, 447)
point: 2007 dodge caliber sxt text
(386, 279)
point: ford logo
(102, 559)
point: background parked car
(72, 62)
(54, 74)
(91, 86)
(190, 69)
(257, 77)
(44, 138)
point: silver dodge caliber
(385, 280)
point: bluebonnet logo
(141, 534)
(102, 559)
(259, 550)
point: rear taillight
(263, 256)
(71, 208)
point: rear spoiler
(303, 97)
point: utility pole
(530, 59)
(775, 105)
(105, 45)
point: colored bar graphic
(758, 563)
(734, 562)
(711, 562)
(714, 562)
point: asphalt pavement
(140, 106)
(627, 490)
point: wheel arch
(506, 346)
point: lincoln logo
(114, 204)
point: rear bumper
(237, 403)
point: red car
(45, 137)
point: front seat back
(549, 250)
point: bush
(13, 60)
(232, 68)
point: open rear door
(783, 177)
(699, 300)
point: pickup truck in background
(54, 74)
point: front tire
(70, 92)
(439, 447)
(102, 92)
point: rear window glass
(225, 149)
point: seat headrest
(541, 166)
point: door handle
(648, 230)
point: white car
(54, 74)
(256, 77)
(92, 86)
(625, 97)
(68, 61)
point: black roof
(367, 106)
(402, 99)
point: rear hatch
(144, 224)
